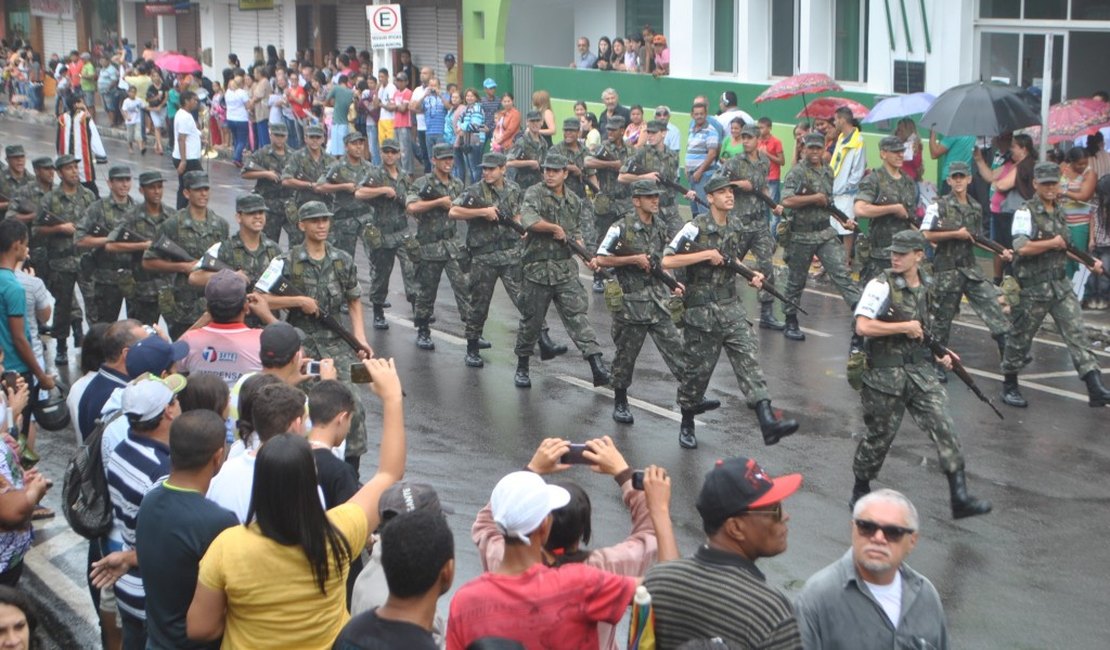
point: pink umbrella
(1072, 118)
(800, 84)
(177, 63)
(825, 107)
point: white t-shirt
(236, 102)
(185, 125)
(889, 597)
(385, 96)
(76, 391)
(232, 486)
(418, 97)
(275, 102)
(132, 110)
(726, 118)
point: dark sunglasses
(775, 512)
(893, 534)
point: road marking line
(443, 336)
(814, 332)
(1057, 344)
(632, 401)
(1031, 384)
(1049, 375)
(75, 596)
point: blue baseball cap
(155, 355)
(489, 83)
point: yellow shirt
(272, 598)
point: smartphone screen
(638, 479)
(575, 455)
(359, 374)
(312, 368)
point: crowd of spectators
(643, 53)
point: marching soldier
(892, 314)
(324, 279)
(748, 173)
(302, 169)
(133, 237)
(887, 198)
(578, 177)
(249, 251)
(655, 162)
(194, 228)
(111, 272)
(429, 199)
(806, 232)
(26, 201)
(644, 305)
(950, 225)
(342, 180)
(1041, 240)
(265, 168)
(552, 216)
(527, 153)
(715, 318)
(612, 198)
(386, 236)
(64, 206)
(15, 177)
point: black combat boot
(599, 369)
(424, 336)
(861, 489)
(380, 323)
(774, 428)
(621, 412)
(599, 287)
(78, 334)
(1097, 394)
(942, 374)
(706, 405)
(963, 504)
(387, 304)
(61, 353)
(521, 378)
(792, 331)
(686, 437)
(1010, 393)
(484, 344)
(472, 359)
(548, 348)
(767, 318)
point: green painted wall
(483, 28)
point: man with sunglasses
(888, 604)
(719, 592)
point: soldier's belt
(757, 215)
(805, 229)
(492, 247)
(892, 360)
(110, 275)
(707, 296)
(951, 262)
(1047, 275)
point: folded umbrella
(825, 107)
(980, 108)
(899, 106)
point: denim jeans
(472, 154)
(261, 134)
(423, 151)
(404, 138)
(699, 188)
(1099, 285)
(134, 631)
(372, 142)
(430, 141)
(459, 170)
(295, 136)
(240, 135)
(775, 188)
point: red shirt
(772, 146)
(543, 608)
(402, 119)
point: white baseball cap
(146, 397)
(522, 500)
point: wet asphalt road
(1026, 576)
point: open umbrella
(800, 84)
(825, 107)
(898, 106)
(980, 108)
(1070, 119)
(178, 63)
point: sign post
(385, 27)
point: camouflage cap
(1046, 172)
(250, 203)
(571, 124)
(655, 126)
(313, 210)
(814, 139)
(493, 159)
(195, 180)
(892, 143)
(716, 183)
(442, 151)
(119, 172)
(44, 162)
(534, 115)
(353, 136)
(554, 161)
(390, 144)
(314, 131)
(645, 188)
(62, 161)
(907, 241)
(750, 130)
(14, 151)
(150, 178)
(278, 128)
(615, 122)
(959, 168)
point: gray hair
(609, 91)
(891, 496)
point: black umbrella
(980, 108)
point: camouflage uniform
(350, 213)
(235, 254)
(59, 262)
(527, 148)
(142, 305)
(715, 318)
(332, 282)
(181, 303)
(277, 197)
(755, 232)
(439, 251)
(880, 188)
(644, 310)
(665, 162)
(811, 234)
(110, 272)
(1045, 289)
(494, 253)
(550, 274)
(10, 185)
(956, 272)
(615, 198)
(576, 184)
(386, 236)
(900, 376)
(300, 166)
(30, 197)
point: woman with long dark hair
(1077, 189)
(279, 580)
(19, 622)
(1014, 182)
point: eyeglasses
(775, 512)
(893, 534)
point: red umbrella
(825, 107)
(800, 84)
(1070, 119)
(177, 63)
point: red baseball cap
(739, 484)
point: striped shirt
(435, 114)
(719, 594)
(698, 144)
(134, 467)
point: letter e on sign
(385, 26)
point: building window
(724, 35)
(638, 13)
(850, 47)
(784, 49)
(1045, 9)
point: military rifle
(687, 245)
(274, 282)
(615, 244)
(670, 185)
(210, 261)
(831, 208)
(979, 240)
(1084, 258)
